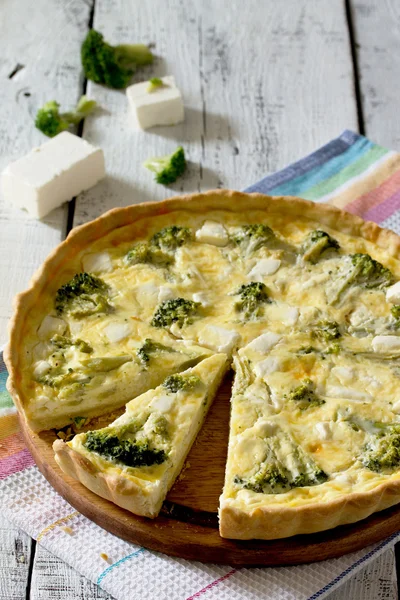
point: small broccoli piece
(304, 395)
(285, 466)
(362, 271)
(167, 168)
(177, 382)
(61, 341)
(171, 238)
(252, 237)
(395, 310)
(51, 122)
(316, 243)
(144, 253)
(383, 448)
(112, 66)
(177, 310)
(104, 364)
(327, 331)
(150, 348)
(369, 273)
(84, 295)
(79, 422)
(252, 297)
(333, 348)
(154, 84)
(130, 453)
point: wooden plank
(255, 87)
(15, 558)
(376, 28)
(53, 578)
(40, 61)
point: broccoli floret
(252, 297)
(177, 310)
(253, 237)
(112, 65)
(177, 382)
(149, 348)
(51, 122)
(383, 448)
(79, 422)
(144, 253)
(61, 341)
(362, 271)
(304, 395)
(167, 168)
(327, 331)
(316, 243)
(285, 466)
(154, 84)
(84, 295)
(129, 453)
(170, 238)
(395, 310)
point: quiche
(304, 299)
(135, 460)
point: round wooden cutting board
(188, 524)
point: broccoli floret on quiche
(170, 238)
(150, 348)
(305, 396)
(125, 451)
(252, 298)
(177, 310)
(362, 271)
(326, 330)
(84, 295)
(316, 243)
(179, 382)
(252, 237)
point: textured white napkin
(129, 572)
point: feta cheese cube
(51, 174)
(264, 267)
(165, 293)
(98, 262)
(212, 233)
(324, 430)
(51, 326)
(117, 331)
(264, 342)
(386, 343)
(393, 293)
(267, 366)
(203, 298)
(163, 106)
(218, 338)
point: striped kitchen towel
(350, 172)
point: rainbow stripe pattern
(349, 172)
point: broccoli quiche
(135, 460)
(304, 300)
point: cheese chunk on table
(162, 106)
(52, 173)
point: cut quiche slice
(309, 446)
(91, 375)
(134, 461)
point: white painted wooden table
(264, 83)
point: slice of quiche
(134, 461)
(307, 436)
(101, 370)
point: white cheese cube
(52, 174)
(162, 106)
(117, 331)
(51, 326)
(165, 293)
(218, 338)
(203, 298)
(264, 267)
(41, 368)
(267, 366)
(163, 404)
(393, 293)
(263, 343)
(212, 233)
(324, 430)
(386, 343)
(98, 262)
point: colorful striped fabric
(350, 172)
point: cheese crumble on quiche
(304, 298)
